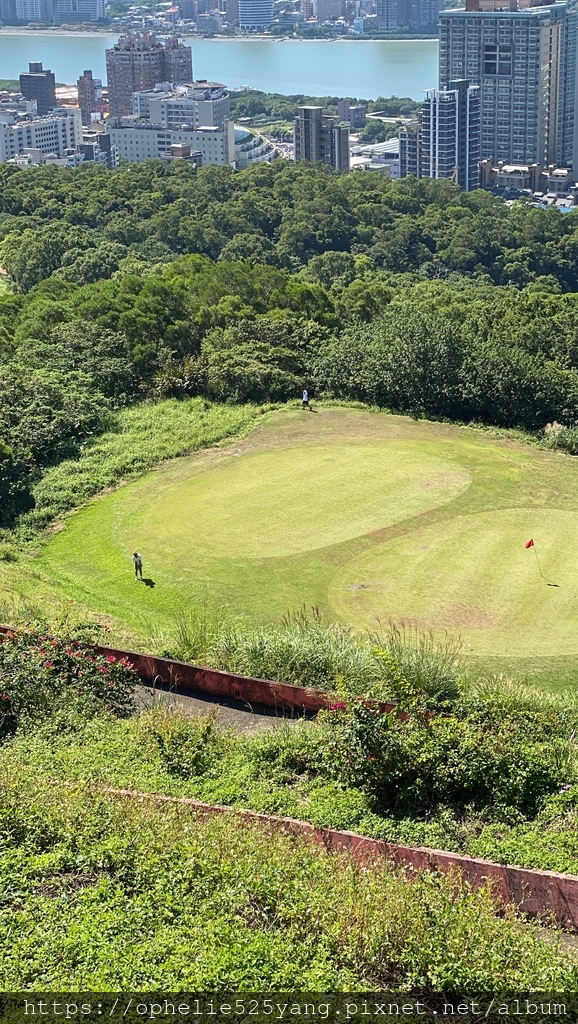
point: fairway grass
(373, 518)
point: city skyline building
(255, 15)
(71, 11)
(524, 60)
(33, 11)
(450, 134)
(318, 137)
(90, 98)
(138, 62)
(409, 14)
(39, 84)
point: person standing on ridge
(137, 559)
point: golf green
(278, 503)
(368, 516)
(473, 575)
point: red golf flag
(529, 544)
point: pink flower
(338, 706)
(111, 658)
(102, 668)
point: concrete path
(232, 714)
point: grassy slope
(105, 893)
(152, 753)
(314, 509)
(140, 437)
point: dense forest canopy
(151, 280)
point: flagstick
(538, 561)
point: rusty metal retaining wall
(540, 893)
(547, 895)
(166, 672)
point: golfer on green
(137, 559)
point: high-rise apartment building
(410, 151)
(37, 11)
(232, 12)
(414, 14)
(255, 15)
(524, 60)
(71, 11)
(450, 134)
(319, 137)
(8, 12)
(39, 84)
(137, 62)
(354, 113)
(329, 10)
(199, 104)
(48, 12)
(89, 96)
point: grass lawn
(369, 516)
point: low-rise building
(378, 156)
(200, 103)
(531, 179)
(58, 133)
(181, 152)
(97, 147)
(140, 140)
(252, 148)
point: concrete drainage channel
(548, 895)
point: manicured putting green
(364, 515)
(473, 575)
(293, 500)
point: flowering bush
(38, 672)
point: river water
(365, 69)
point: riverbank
(26, 30)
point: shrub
(39, 672)
(159, 897)
(470, 763)
(187, 745)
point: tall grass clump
(557, 437)
(140, 438)
(303, 651)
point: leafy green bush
(187, 745)
(39, 672)
(282, 771)
(471, 761)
